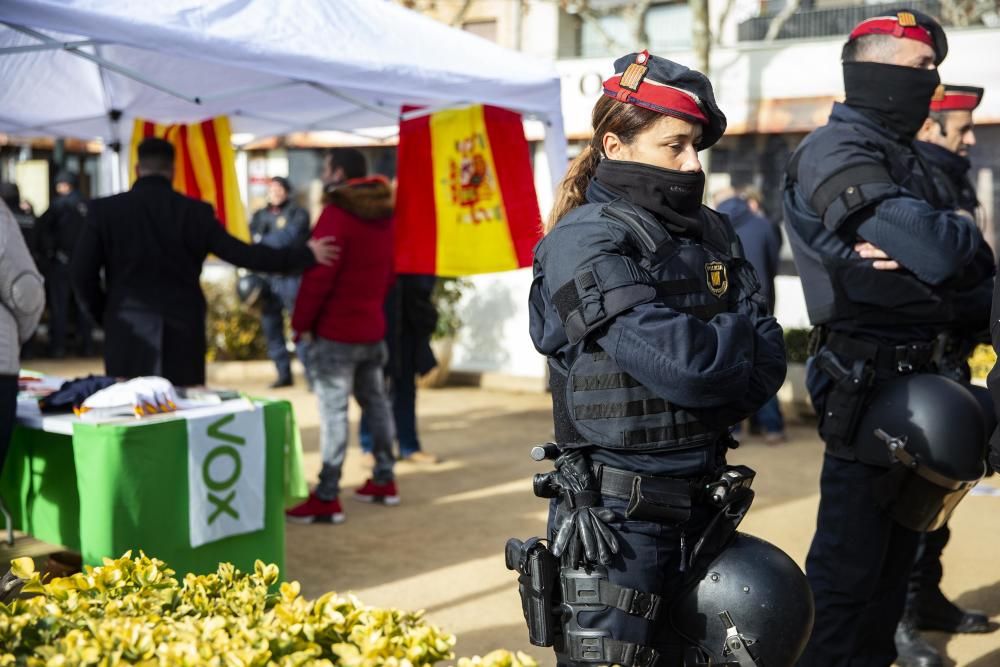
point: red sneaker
(314, 510)
(386, 493)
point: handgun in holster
(845, 403)
(538, 584)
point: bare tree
(701, 40)
(460, 14)
(778, 22)
(723, 17)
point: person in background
(22, 300)
(761, 243)
(281, 224)
(411, 318)
(879, 262)
(59, 230)
(943, 144)
(340, 313)
(150, 243)
(10, 194)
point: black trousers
(61, 301)
(8, 408)
(858, 567)
(648, 561)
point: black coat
(151, 243)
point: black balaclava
(670, 194)
(898, 97)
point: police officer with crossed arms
(881, 265)
(658, 341)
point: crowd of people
(132, 263)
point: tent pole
(106, 64)
(250, 90)
(353, 100)
(28, 48)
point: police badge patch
(717, 278)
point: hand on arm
(882, 261)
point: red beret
(669, 88)
(906, 24)
(956, 98)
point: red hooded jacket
(344, 302)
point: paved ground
(442, 548)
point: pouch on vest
(660, 501)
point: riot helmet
(251, 288)
(750, 606)
(930, 432)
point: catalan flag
(466, 201)
(205, 166)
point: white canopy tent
(87, 68)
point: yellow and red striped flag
(205, 166)
(466, 201)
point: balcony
(810, 23)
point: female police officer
(657, 342)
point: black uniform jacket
(151, 243)
(727, 366)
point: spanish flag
(205, 166)
(466, 201)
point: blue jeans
(403, 390)
(281, 298)
(338, 370)
(769, 417)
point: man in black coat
(151, 243)
(59, 230)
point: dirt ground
(442, 549)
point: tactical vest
(596, 403)
(838, 287)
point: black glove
(580, 530)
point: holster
(538, 585)
(845, 403)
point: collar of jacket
(952, 164)
(368, 199)
(673, 222)
(844, 113)
(154, 180)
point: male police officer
(942, 146)
(848, 201)
(281, 224)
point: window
(668, 27)
(484, 29)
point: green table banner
(113, 487)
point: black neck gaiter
(663, 192)
(897, 97)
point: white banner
(225, 475)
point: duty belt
(618, 483)
(886, 359)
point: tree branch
(778, 22)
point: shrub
(133, 610)
(446, 295)
(797, 345)
(233, 332)
(982, 360)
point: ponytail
(609, 115)
(573, 189)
